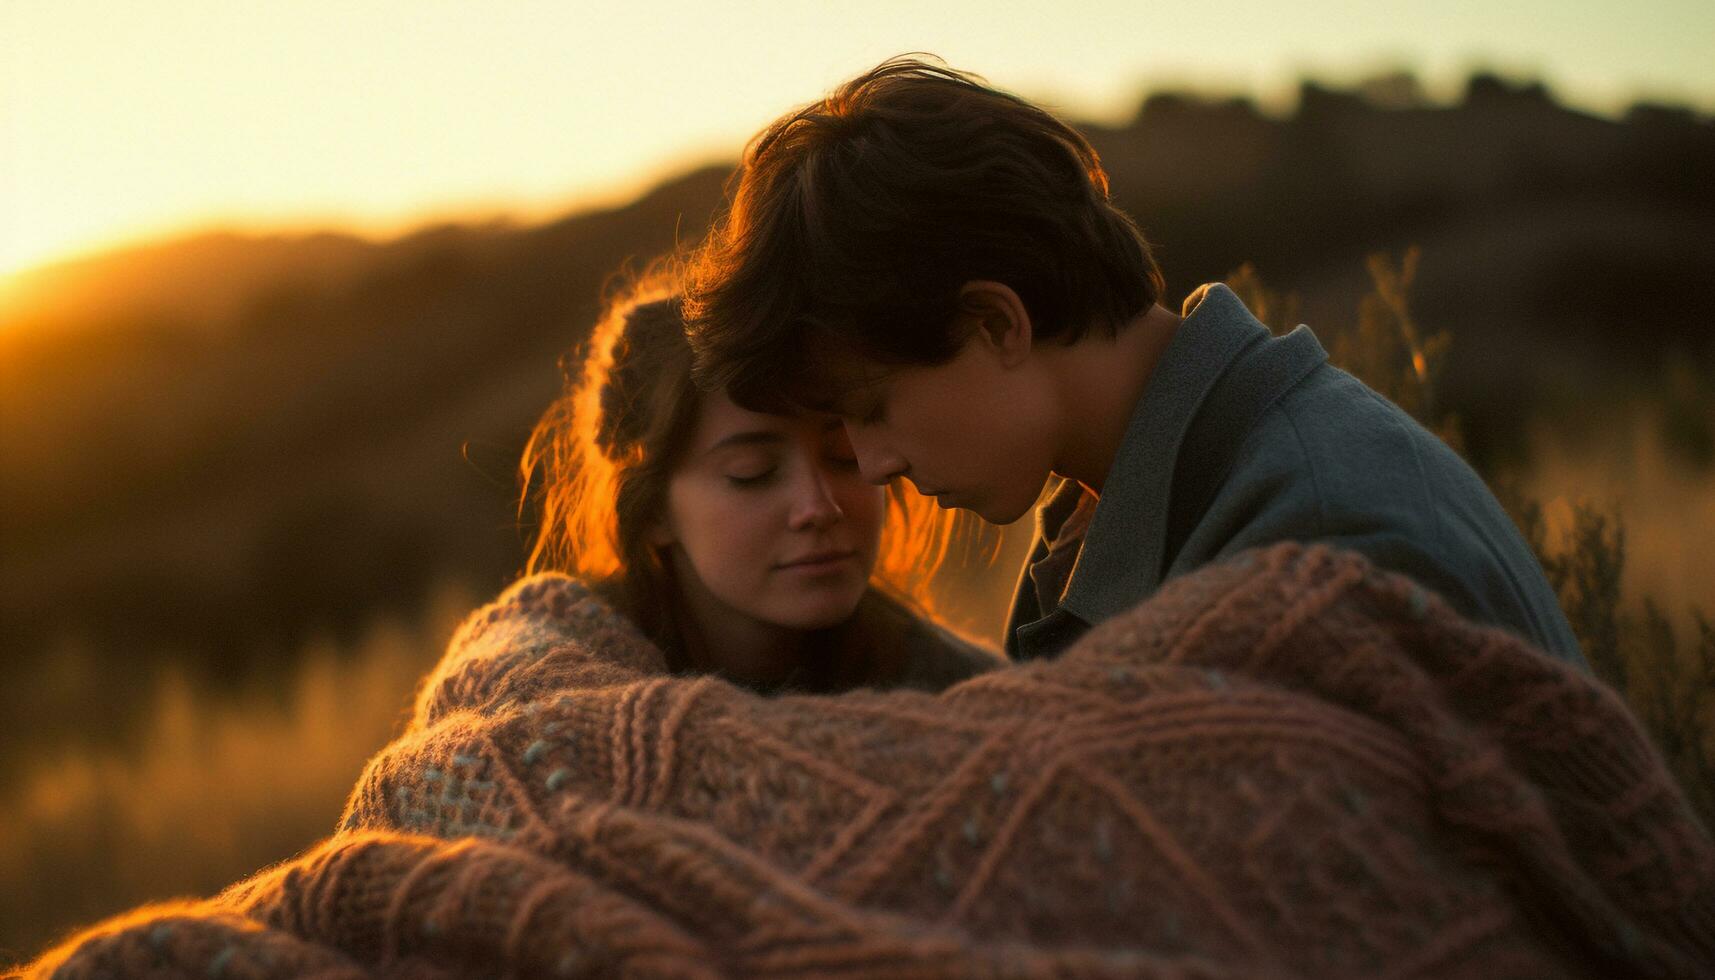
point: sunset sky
(125, 120)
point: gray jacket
(1243, 439)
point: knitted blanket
(1289, 764)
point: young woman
(743, 544)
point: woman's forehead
(725, 424)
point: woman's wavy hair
(599, 461)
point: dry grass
(210, 790)
(1666, 677)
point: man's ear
(1000, 316)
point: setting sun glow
(123, 122)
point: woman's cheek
(734, 529)
(866, 507)
(754, 525)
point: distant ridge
(203, 278)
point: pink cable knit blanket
(1289, 764)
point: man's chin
(996, 514)
(985, 507)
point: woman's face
(771, 516)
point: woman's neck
(743, 649)
(722, 640)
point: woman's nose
(813, 504)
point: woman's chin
(818, 613)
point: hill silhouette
(211, 447)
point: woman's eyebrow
(754, 437)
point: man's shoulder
(1335, 461)
(1334, 458)
(1331, 405)
(1353, 440)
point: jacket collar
(1120, 561)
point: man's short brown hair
(856, 219)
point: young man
(940, 263)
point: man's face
(973, 433)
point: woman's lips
(821, 561)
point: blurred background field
(250, 482)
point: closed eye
(752, 480)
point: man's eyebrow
(853, 401)
(838, 389)
(753, 437)
(865, 403)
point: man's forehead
(843, 386)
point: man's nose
(814, 505)
(876, 463)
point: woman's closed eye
(753, 477)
